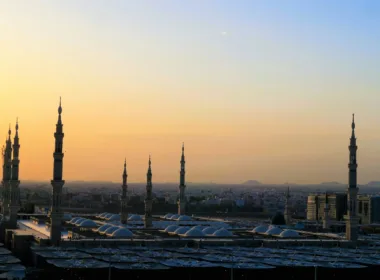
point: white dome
(260, 229)
(67, 216)
(209, 230)
(77, 222)
(274, 231)
(184, 218)
(181, 230)
(122, 232)
(111, 230)
(194, 232)
(289, 233)
(103, 215)
(114, 217)
(107, 216)
(171, 228)
(168, 216)
(103, 228)
(73, 220)
(135, 218)
(88, 224)
(222, 233)
(174, 217)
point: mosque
(65, 245)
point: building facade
(337, 205)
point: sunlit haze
(260, 90)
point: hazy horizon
(255, 89)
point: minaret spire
(124, 202)
(148, 199)
(287, 214)
(56, 213)
(14, 198)
(182, 185)
(7, 174)
(352, 191)
(326, 213)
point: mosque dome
(222, 233)
(194, 232)
(181, 230)
(174, 217)
(168, 216)
(209, 230)
(67, 217)
(88, 224)
(184, 218)
(103, 228)
(135, 218)
(273, 231)
(260, 229)
(289, 233)
(197, 227)
(171, 228)
(111, 230)
(77, 222)
(299, 225)
(73, 220)
(107, 216)
(114, 217)
(122, 232)
(103, 215)
(278, 219)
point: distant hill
(374, 184)
(331, 183)
(252, 183)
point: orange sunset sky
(258, 90)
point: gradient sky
(256, 89)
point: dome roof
(103, 228)
(222, 233)
(88, 224)
(77, 222)
(274, 231)
(174, 217)
(103, 215)
(107, 216)
(289, 233)
(114, 217)
(299, 225)
(122, 232)
(209, 230)
(168, 216)
(184, 218)
(194, 232)
(111, 230)
(135, 218)
(260, 229)
(171, 228)
(197, 227)
(181, 230)
(67, 216)
(73, 220)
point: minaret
(124, 210)
(56, 214)
(7, 172)
(326, 213)
(148, 199)
(3, 186)
(14, 203)
(182, 186)
(287, 214)
(352, 191)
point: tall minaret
(124, 202)
(352, 191)
(182, 185)
(326, 213)
(14, 203)
(148, 199)
(7, 172)
(56, 214)
(3, 186)
(287, 214)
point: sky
(260, 90)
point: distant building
(368, 209)
(337, 203)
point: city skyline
(256, 91)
